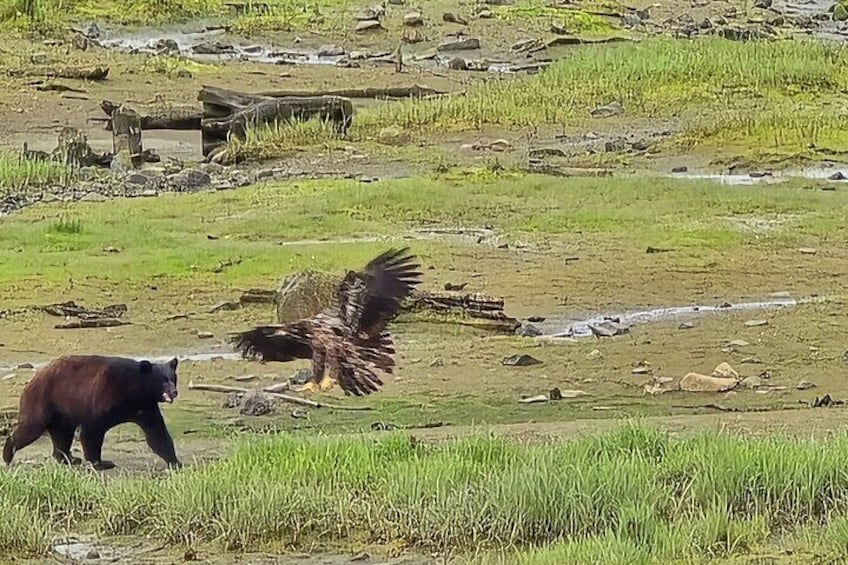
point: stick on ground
(270, 391)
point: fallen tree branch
(413, 91)
(270, 391)
(91, 323)
(76, 73)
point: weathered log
(75, 73)
(228, 113)
(72, 309)
(177, 117)
(91, 323)
(126, 134)
(476, 310)
(413, 91)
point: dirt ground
(451, 381)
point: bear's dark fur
(95, 393)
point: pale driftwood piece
(283, 397)
(126, 134)
(534, 399)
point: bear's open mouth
(167, 398)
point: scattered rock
(205, 335)
(612, 109)
(738, 343)
(528, 330)
(26, 366)
(190, 180)
(752, 382)
(330, 50)
(245, 378)
(660, 385)
(763, 4)
(485, 14)
(459, 44)
(681, 169)
(594, 355)
(724, 370)
(368, 25)
(685, 326)
(457, 64)
(256, 404)
(756, 323)
(559, 29)
(437, 362)
(804, 385)
(696, 382)
(641, 370)
(808, 251)
(838, 175)
(522, 360)
(608, 328)
(301, 377)
(94, 197)
(413, 19)
(452, 18)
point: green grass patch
(633, 496)
(761, 96)
(18, 175)
(168, 236)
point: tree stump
(126, 134)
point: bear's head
(164, 378)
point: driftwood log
(477, 310)
(178, 117)
(229, 113)
(76, 73)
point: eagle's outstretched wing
(285, 342)
(368, 299)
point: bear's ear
(145, 366)
(173, 364)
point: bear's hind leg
(91, 438)
(62, 434)
(25, 433)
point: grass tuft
(18, 175)
(636, 494)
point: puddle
(817, 173)
(563, 328)
(214, 45)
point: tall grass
(635, 492)
(17, 174)
(656, 77)
(783, 95)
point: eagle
(348, 342)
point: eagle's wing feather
(368, 299)
(285, 342)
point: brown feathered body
(348, 343)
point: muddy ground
(450, 378)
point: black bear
(95, 393)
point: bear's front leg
(156, 433)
